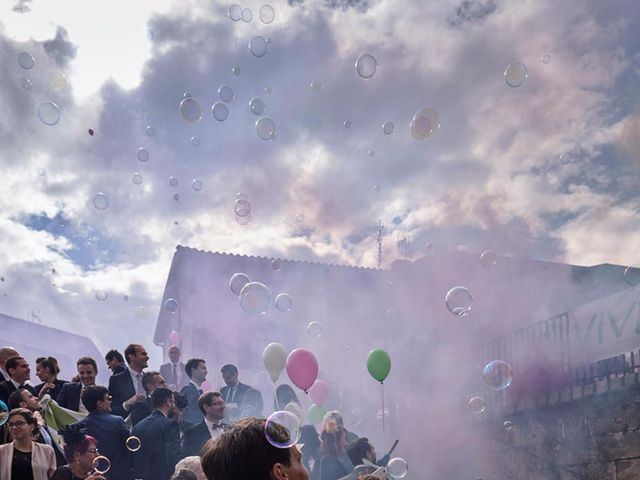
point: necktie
(139, 387)
(175, 375)
(232, 393)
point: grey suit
(166, 370)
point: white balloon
(274, 357)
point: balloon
(379, 364)
(316, 413)
(274, 358)
(319, 392)
(302, 368)
(174, 337)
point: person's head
(87, 370)
(5, 354)
(47, 369)
(18, 369)
(360, 449)
(332, 421)
(96, 398)
(79, 449)
(174, 354)
(162, 399)
(23, 398)
(114, 359)
(211, 405)
(151, 381)
(333, 442)
(22, 424)
(136, 356)
(196, 369)
(230, 375)
(252, 403)
(191, 464)
(285, 395)
(225, 457)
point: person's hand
(138, 397)
(45, 389)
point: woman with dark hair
(80, 450)
(47, 371)
(284, 396)
(332, 449)
(310, 446)
(23, 458)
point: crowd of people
(161, 425)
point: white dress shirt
(215, 430)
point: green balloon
(379, 364)
(316, 413)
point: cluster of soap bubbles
(48, 112)
(236, 13)
(256, 297)
(242, 208)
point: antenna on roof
(380, 235)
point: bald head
(6, 353)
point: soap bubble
(265, 128)
(258, 46)
(242, 207)
(137, 178)
(257, 106)
(195, 141)
(190, 110)
(187, 95)
(347, 124)
(143, 154)
(315, 329)
(58, 81)
(283, 302)
(101, 295)
(425, 122)
(397, 467)
(26, 60)
(196, 185)
(255, 298)
(515, 74)
(497, 374)
(267, 14)
(507, 425)
(632, 276)
(100, 201)
(371, 152)
(236, 70)
(4, 413)
(247, 15)
(238, 281)
(546, 58)
(488, 258)
(268, 90)
(458, 301)
(276, 265)
(388, 128)
(150, 131)
(133, 443)
(243, 220)
(235, 12)
(140, 313)
(225, 92)
(173, 182)
(566, 159)
(171, 305)
(242, 196)
(220, 111)
(316, 85)
(282, 429)
(42, 172)
(26, 83)
(477, 405)
(366, 65)
(48, 113)
(176, 197)
(101, 464)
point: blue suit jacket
(69, 396)
(111, 433)
(121, 389)
(160, 447)
(191, 415)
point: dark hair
(28, 417)
(87, 361)
(284, 396)
(15, 399)
(49, 363)
(159, 396)
(333, 442)
(147, 379)
(207, 399)
(192, 364)
(229, 368)
(131, 350)
(184, 474)
(76, 440)
(252, 403)
(92, 395)
(12, 363)
(111, 354)
(358, 450)
(226, 456)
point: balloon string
(276, 407)
(384, 432)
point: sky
(547, 170)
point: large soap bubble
(101, 464)
(267, 14)
(257, 106)
(282, 429)
(190, 110)
(133, 443)
(220, 111)
(516, 74)
(235, 12)
(49, 113)
(226, 94)
(632, 276)
(425, 122)
(255, 298)
(284, 302)
(366, 65)
(25, 60)
(477, 405)
(238, 281)
(266, 128)
(258, 46)
(100, 201)
(497, 374)
(458, 301)
(398, 467)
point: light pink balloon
(174, 337)
(302, 368)
(319, 392)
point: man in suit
(115, 362)
(110, 432)
(143, 408)
(126, 387)
(211, 405)
(159, 436)
(70, 395)
(174, 372)
(233, 392)
(196, 369)
(19, 372)
(5, 354)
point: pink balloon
(319, 392)
(174, 337)
(302, 368)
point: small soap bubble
(267, 14)
(507, 425)
(196, 185)
(242, 207)
(243, 220)
(235, 12)
(42, 172)
(220, 111)
(398, 467)
(268, 90)
(371, 152)
(101, 295)
(255, 298)
(546, 58)
(26, 60)
(195, 142)
(631, 276)
(315, 329)
(176, 197)
(226, 94)
(143, 154)
(516, 74)
(140, 313)
(258, 46)
(58, 81)
(133, 443)
(565, 159)
(282, 429)
(4, 412)
(247, 15)
(171, 305)
(49, 113)
(477, 405)
(190, 110)
(497, 374)
(238, 281)
(26, 83)
(100, 201)
(366, 65)
(150, 131)
(265, 128)
(299, 218)
(187, 95)
(388, 128)
(425, 122)
(242, 196)
(283, 302)
(347, 124)
(173, 182)
(276, 265)
(458, 301)
(137, 178)
(101, 464)
(488, 258)
(257, 106)
(236, 70)
(316, 85)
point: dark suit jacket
(55, 391)
(111, 433)
(121, 389)
(140, 410)
(160, 447)
(69, 396)
(118, 369)
(7, 388)
(241, 388)
(195, 438)
(191, 415)
(166, 370)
